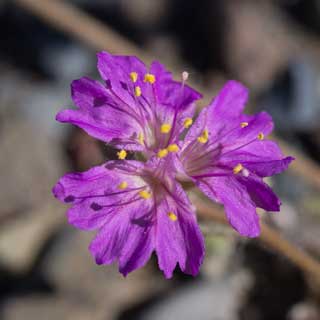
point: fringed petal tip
(62, 116)
(58, 191)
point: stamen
(137, 91)
(148, 77)
(162, 153)
(123, 185)
(261, 136)
(204, 136)
(172, 216)
(134, 77)
(245, 172)
(141, 138)
(244, 124)
(122, 154)
(165, 128)
(185, 76)
(238, 168)
(173, 148)
(187, 122)
(145, 194)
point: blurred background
(46, 271)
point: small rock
(304, 311)
(50, 308)
(22, 239)
(70, 266)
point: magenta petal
(105, 124)
(170, 92)
(139, 246)
(101, 116)
(175, 102)
(268, 168)
(260, 193)
(239, 207)
(128, 64)
(180, 241)
(256, 151)
(80, 189)
(109, 242)
(93, 126)
(194, 245)
(72, 186)
(263, 158)
(127, 237)
(222, 113)
(117, 77)
(225, 110)
(131, 64)
(261, 123)
(87, 93)
(94, 195)
(230, 101)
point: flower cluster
(140, 206)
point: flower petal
(101, 116)
(230, 102)
(263, 158)
(255, 151)
(268, 168)
(114, 72)
(87, 93)
(240, 209)
(220, 116)
(258, 124)
(179, 239)
(174, 101)
(140, 244)
(127, 237)
(94, 194)
(172, 93)
(260, 193)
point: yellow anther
(187, 122)
(137, 91)
(162, 153)
(172, 216)
(244, 124)
(173, 148)
(141, 138)
(145, 194)
(238, 168)
(204, 136)
(123, 185)
(122, 154)
(165, 128)
(260, 136)
(134, 77)
(148, 77)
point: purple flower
(140, 207)
(137, 208)
(226, 155)
(135, 109)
